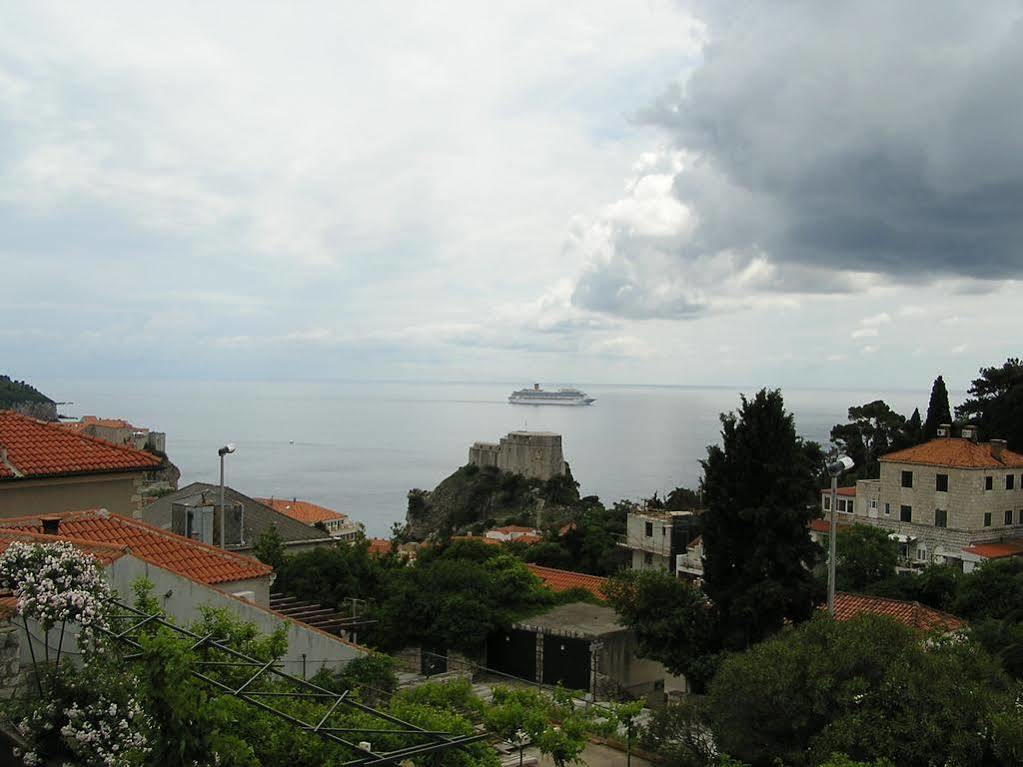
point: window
(664, 530)
(989, 483)
(1010, 481)
(648, 558)
(941, 518)
(1021, 516)
(907, 479)
(827, 503)
(921, 554)
(1008, 517)
(887, 509)
(649, 530)
(905, 513)
(987, 519)
(904, 550)
(873, 503)
(941, 483)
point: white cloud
(864, 333)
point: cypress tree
(760, 493)
(938, 411)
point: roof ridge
(568, 572)
(138, 524)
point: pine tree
(938, 410)
(759, 492)
(913, 431)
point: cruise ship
(537, 396)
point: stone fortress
(533, 454)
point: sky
(801, 193)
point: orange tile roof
(824, 525)
(912, 614)
(480, 538)
(379, 546)
(31, 448)
(565, 580)
(103, 553)
(512, 529)
(529, 539)
(303, 511)
(184, 556)
(998, 550)
(956, 453)
(845, 491)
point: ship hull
(559, 402)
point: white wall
(181, 599)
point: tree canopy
(865, 555)
(995, 403)
(868, 688)
(873, 430)
(759, 490)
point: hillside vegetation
(474, 498)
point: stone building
(941, 498)
(120, 432)
(533, 454)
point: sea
(358, 447)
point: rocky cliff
(474, 499)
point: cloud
(864, 333)
(823, 148)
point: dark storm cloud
(858, 136)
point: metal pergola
(301, 690)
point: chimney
(944, 430)
(51, 525)
(997, 446)
(969, 432)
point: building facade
(655, 538)
(943, 496)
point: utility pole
(839, 466)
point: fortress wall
(532, 454)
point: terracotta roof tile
(565, 580)
(379, 546)
(998, 550)
(843, 491)
(512, 529)
(184, 556)
(480, 538)
(303, 511)
(912, 614)
(956, 453)
(31, 448)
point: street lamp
(836, 468)
(226, 449)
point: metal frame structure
(262, 699)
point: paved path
(595, 755)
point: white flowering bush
(90, 717)
(54, 583)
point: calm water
(359, 447)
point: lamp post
(836, 468)
(225, 450)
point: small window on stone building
(827, 503)
(873, 503)
(649, 529)
(1020, 517)
(905, 513)
(989, 483)
(907, 479)
(987, 519)
(921, 554)
(887, 509)
(941, 483)
(1008, 517)
(1010, 481)
(941, 518)
(648, 558)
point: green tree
(269, 548)
(869, 688)
(333, 574)
(993, 590)
(873, 430)
(760, 493)
(866, 555)
(674, 622)
(996, 403)
(913, 431)
(938, 410)
(935, 587)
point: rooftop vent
(945, 430)
(997, 446)
(969, 432)
(51, 525)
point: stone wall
(533, 454)
(12, 677)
